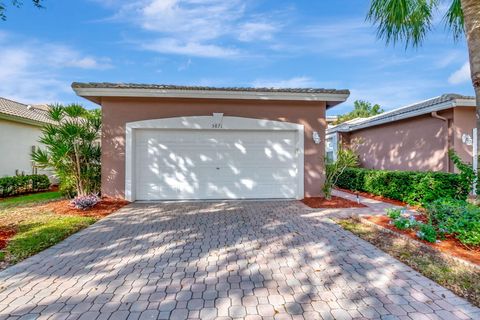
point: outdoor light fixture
(467, 139)
(316, 137)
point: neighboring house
(180, 142)
(416, 137)
(20, 130)
(331, 120)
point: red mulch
(102, 209)
(449, 245)
(335, 202)
(374, 197)
(5, 235)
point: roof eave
(438, 107)
(13, 118)
(95, 94)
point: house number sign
(217, 121)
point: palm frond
(402, 20)
(75, 110)
(454, 19)
(56, 112)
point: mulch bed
(449, 245)
(102, 209)
(374, 197)
(5, 235)
(334, 202)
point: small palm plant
(346, 158)
(72, 148)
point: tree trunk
(471, 13)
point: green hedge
(15, 185)
(407, 186)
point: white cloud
(252, 31)
(391, 94)
(194, 27)
(31, 71)
(295, 82)
(347, 38)
(170, 45)
(460, 76)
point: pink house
(182, 142)
(416, 137)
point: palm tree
(410, 21)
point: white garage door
(215, 164)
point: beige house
(416, 137)
(180, 142)
(20, 130)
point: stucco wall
(418, 143)
(464, 122)
(118, 111)
(16, 141)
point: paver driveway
(206, 260)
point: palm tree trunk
(471, 13)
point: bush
(427, 232)
(10, 186)
(456, 217)
(85, 202)
(407, 186)
(345, 158)
(394, 213)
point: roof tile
(20, 110)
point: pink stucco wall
(416, 144)
(464, 122)
(118, 111)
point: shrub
(402, 223)
(427, 232)
(85, 202)
(16, 185)
(394, 213)
(456, 217)
(345, 158)
(407, 186)
(72, 149)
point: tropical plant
(16, 3)
(467, 174)
(410, 21)
(85, 202)
(361, 109)
(72, 148)
(346, 158)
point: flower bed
(449, 245)
(334, 202)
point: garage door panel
(212, 164)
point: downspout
(437, 116)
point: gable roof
(95, 90)
(20, 112)
(442, 102)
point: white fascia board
(209, 94)
(22, 120)
(393, 118)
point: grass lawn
(459, 278)
(36, 227)
(30, 199)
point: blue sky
(258, 43)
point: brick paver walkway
(248, 260)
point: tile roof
(402, 112)
(22, 111)
(107, 85)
